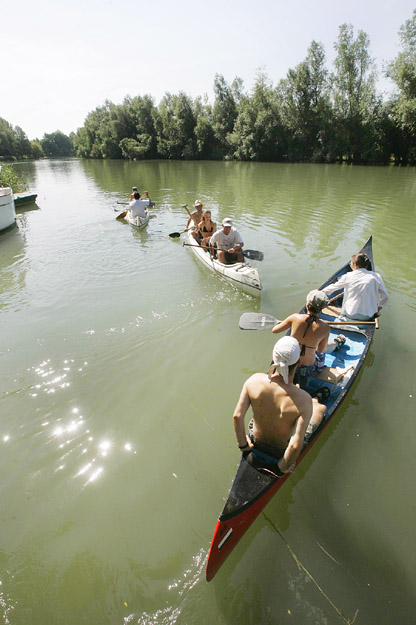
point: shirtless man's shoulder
(260, 383)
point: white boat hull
(241, 275)
(137, 222)
(7, 209)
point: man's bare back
(276, 409)
(281, 413)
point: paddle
(176, 235)
(332, 299)
(253, 254)
(261, 321)
(122, 215)
(125, 203)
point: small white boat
(137, 222)
(7, 209)
(241, 275)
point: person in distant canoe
(312, 334)
(365, 293)
(206, 228)
(146, 195)
(228, 239)
(138, 207)
(194, 218)
(283, 413)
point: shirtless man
(281, 411)
(195, 218)
(312, 334)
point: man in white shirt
(138, 207)
(229, 244)
(364, 291)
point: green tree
(175, 124)
(306, 108)
(206, 143)
(36, 149)
(142, 112)
(403, 73)
(225, 111)
(7, 139)
(56, 144)
(258, 131)
(353, 93)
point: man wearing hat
(229, 244)
(195, 218)
(312, 334)
(281, 412)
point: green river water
(121, 363)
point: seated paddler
(281, 412)
(312, 334)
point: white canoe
(7, 209)
(137, 222)
(241, 275)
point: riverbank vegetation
(311, 115)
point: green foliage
(403, 73)
(57, 144)
(14, 143)
(311, 115)
(8, 178)
(36, 149)
(354, 93)
(258, 131)
(175, 126)
(306, 108)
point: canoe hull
(241, 275)
(251, 489)
(138, 222)
(20, 199)
(7, 209)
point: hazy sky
(62, 59)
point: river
(121, 363)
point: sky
(61, 59)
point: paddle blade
(256, 321)
(175, 235)
(122, 215)
(253, 254)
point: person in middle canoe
(312, 334)
(283, 413)
(206, 228)
(229, 244)
(194, 218)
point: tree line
(311, 115)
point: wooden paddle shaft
(334, 298)
(350, 323)
(219, 249)
(187, 210)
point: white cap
(227, 222)
(286, 352)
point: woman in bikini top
(206, 229)
(311, 332)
